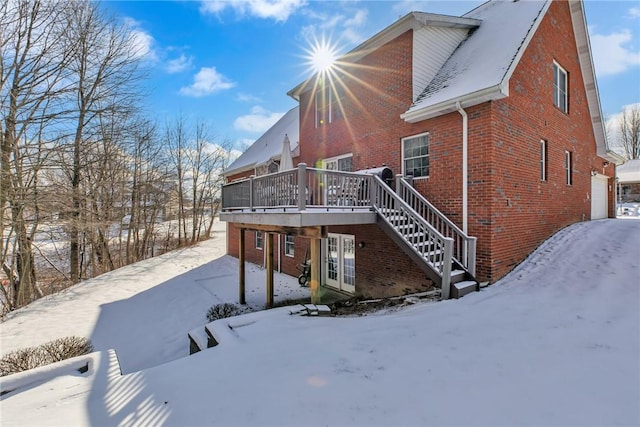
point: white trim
(402, 159)
(557, 71)
(568, 167)
(544, 160)
(335, 159)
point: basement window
(560, 84)
(415, 155)
(289, 245)
(259, 240)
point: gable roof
(411, 21)
(269, 145)
(629, 172)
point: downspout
(465, 166)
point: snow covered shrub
(45, 354)
(221, 311)
(66, 348)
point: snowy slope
(556, 342)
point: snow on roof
(269, 145)
(485, 58)
(629, 172)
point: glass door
(340, 265)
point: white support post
(302, 186)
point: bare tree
(629, 131)
(105, 68)
(32, 74)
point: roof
(411, 21)
(629, 172)
(479, 68)
(269, 145)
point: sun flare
(321, 56)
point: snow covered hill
(556, 342)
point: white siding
(432, 46)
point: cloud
(613, 125)
(279, 10)
(612, 53)
(141, 40)
(259, 120)
(245, 97)
(179, 64)
(407, 6)
(634, 12)
(207, 81)
(344, 27)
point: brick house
(490, 122)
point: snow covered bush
(45, 354)
(220, 311)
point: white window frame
(568, 166)
(289, 245)
(544, 154)
(560, 94)
(323, 95)
(337, 160)
(259, 240)
(428, 155)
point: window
(568, 165)
(342, 163)
(543, 160)
(323, 106)
(328, 104)
(288, 245)
(560, 82)
(415, 155)
(258, 239)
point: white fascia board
(488, 94)
(579, 21)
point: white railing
(464, 246)
(434, 248)
(299, 188)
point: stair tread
(465, 284)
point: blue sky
(231, 63)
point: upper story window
(560, 88)
(415, 155)
(327, 104)
(568, 166)
(543, 160)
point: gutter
(465, 167)
(490, 93)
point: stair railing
(424, 239)
(464, 246)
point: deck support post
(241, 271)
(269, 252)
(315, 271)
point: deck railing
(434, 248)
(299, 188)
(464, 246)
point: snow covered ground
(556, 342)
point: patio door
(340, 262)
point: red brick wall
(510, 210)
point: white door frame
(339, 265)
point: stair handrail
(387, 202)
(464, 246)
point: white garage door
(599, 189)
